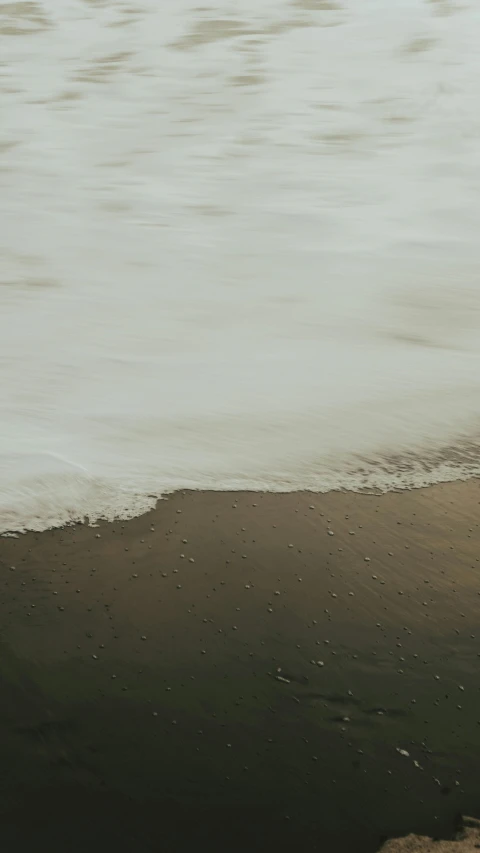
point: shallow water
(238, 249)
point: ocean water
(238, 249)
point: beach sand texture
(467, 840)
(245, 670)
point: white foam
(238, 250)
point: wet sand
(243, 671)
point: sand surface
(467, 840)
(223, 671)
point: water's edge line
(151, 502)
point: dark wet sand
(165, 695)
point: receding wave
(237, 251)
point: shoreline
(275, 685)
(405, 472)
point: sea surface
(238, 249)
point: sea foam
(239, 250)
